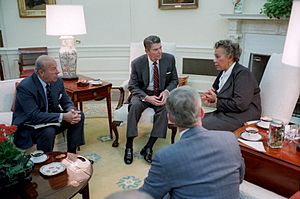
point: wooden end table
(67, 184)
(90, 92)
(277, 169)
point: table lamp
(291, 52)
(66, 21)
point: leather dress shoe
(147, 153)
(128, 156)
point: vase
(68, 57)
(238, 6)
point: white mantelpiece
(256, 33)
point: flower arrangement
(14, 164)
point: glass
(291, 131)
(276, 134)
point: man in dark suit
(235, 92)
(153, 76)
(202, 164)
(41, 99)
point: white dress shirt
(224, 77)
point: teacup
(37, 156)
(251, 130)
(252, 133)
(37, 153)
(265, 121)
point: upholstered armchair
(121, 111)
(27, 58)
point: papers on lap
(37, 126)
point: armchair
(27, 58)
(121, 111)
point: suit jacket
(139, 78)
(31, 106)
(202, 164)
(238, 101)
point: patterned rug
(95, 109)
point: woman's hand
(209, 97)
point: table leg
(85, 192)
(81, 106)
(75, 104)
(108, 103)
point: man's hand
(72, 116)
(157, 100)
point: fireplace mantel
(240, 24)
(256, 33)
(245, 17)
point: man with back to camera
(41, 98)
(202, 164)
(153, 76)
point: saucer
(39, 159)
(263, 124)
(250, 136)
(95, 82)
(52, 169)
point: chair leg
(174, 131)
(115, 124)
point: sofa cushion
(14, 100)
(7, 89)
(6, 118)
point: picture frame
(33, 8)
(177, 4)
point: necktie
(49, 99)
(155, 79)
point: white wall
(112, 25)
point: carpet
(111, 174)
(94, 108)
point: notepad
(37, 126)
(259, 146)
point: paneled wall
(112, 25)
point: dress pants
(136, 108)
(45, 137)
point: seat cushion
(121, 115)
(7, 89)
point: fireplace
(257, 65)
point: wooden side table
(67, 184)
(277, 169)
(91, 92)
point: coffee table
(277, 169)
(67, 184)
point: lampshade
(65, 20)
(291, 52)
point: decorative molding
(111, 62)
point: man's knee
(49, 133)
(136, 106)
